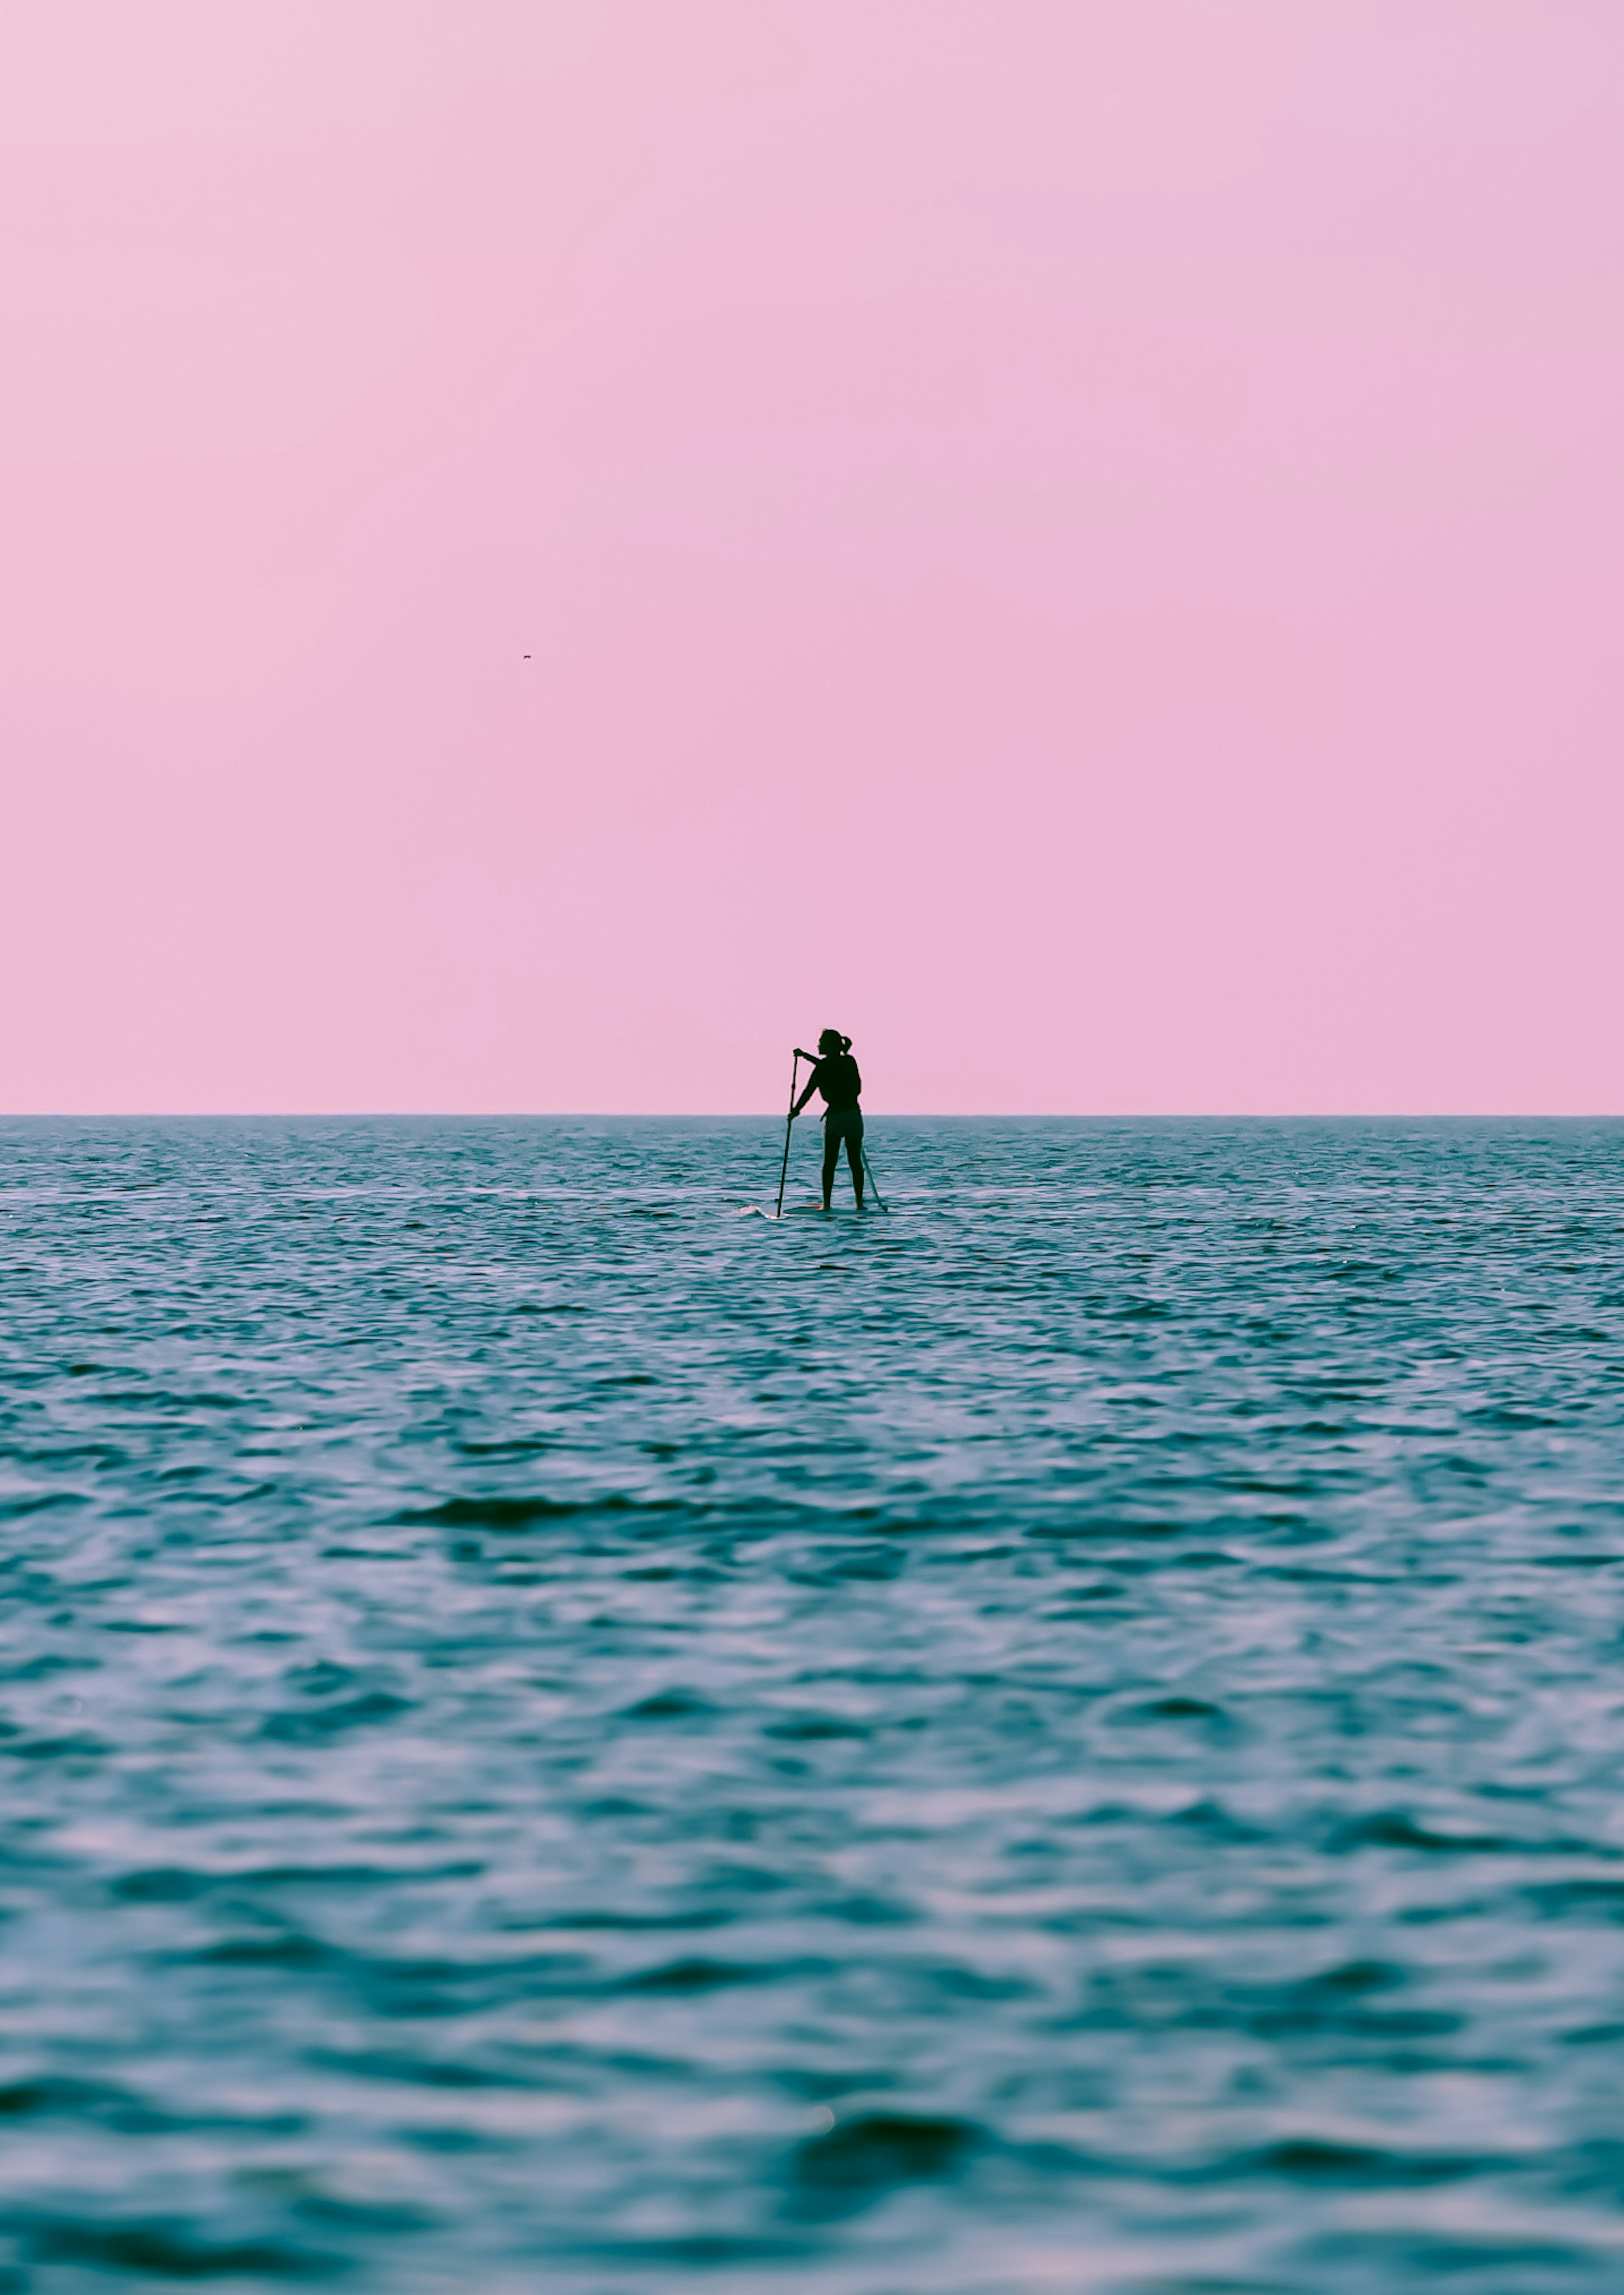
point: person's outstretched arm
(811, 1088)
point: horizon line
(749, 1114)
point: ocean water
(560, 1735)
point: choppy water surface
(558, 1735)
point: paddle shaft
(795, 1077)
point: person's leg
(853, 1152)
(831, 1156)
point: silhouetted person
(835, 1075)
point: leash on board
(868, 1168)
(794, 1071)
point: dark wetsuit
(837, 1078)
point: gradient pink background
(1078, 540)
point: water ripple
(1066, 1738)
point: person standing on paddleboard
(835, 1075)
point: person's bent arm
(806, 1096)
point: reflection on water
(559, 1734)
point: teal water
(558, 1735)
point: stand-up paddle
(795, 1070)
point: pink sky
(1080, 540)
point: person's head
(832, 1041)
